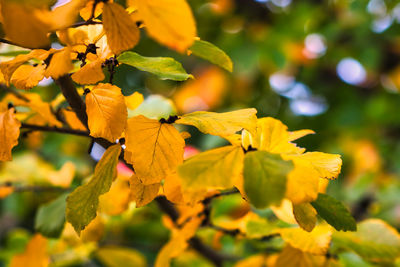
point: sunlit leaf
(165, 68)
(60, 64)
(295, 257)
(122, 32)
(83, 201)
(265, 178)
(27, 76)
(216, 168)
(155, 149)
(134, 100)
(316, 242)
(107, 113)
(334, 213)
(91, 73)
(9, 133)
(170, 22)
(210, 52)
(50, 217)
(222, 124)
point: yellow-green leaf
(210, 52)
(170, 22)
(374, 240)
(106, 110)
(216, 168)
(165, 68)
(121, 31)
(305, 215)
(222, 124)
(265, 177)
(291, 256)
(83, 201)
(9, 133)
(113, 256)
(140, 193)
(154, 149)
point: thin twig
(34, 127)
(14, 92)
(87, 22)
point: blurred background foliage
(331, 66)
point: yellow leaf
(23, 26)
(272, 136)
(116, 200)
(35, 254)
(106, 110)
(155, 149)
(221, 124)
(302, 183)
(94, 231)
(173, 189)
(316, 242)
(86, 12)
(60, 64)
(121, 31)
(216, 168)
(113, 256)
(327, 165)
(134, 100)
(294, 257)
(259, 260)
(27, 76)
(169, 22)
(299, 134)
(142, 194)
(305, 215)
(65, 15)
(9, 133)
(72, 120)
(91, 73)
(285, 211)
(9, 67)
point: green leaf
(119, 256)
(265, 176)
(214, 168)
(334, 213)
(50, 217)
(222, 124)
(82, 203)
(374, 241)
(305, 215)
(210, 52)
(164, 67)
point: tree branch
(87, 22)
(54, 129)
(73, 98)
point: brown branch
(34, 127)
(87, 22)
(73, 98)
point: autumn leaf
(170, 22)
(291, 256)
(265, 178)
(121, 31)
(35, 254)
(83, 201)
(134, 100)
(91, 73)
(60, 64)
(73, 120)
(116, 201)
(216, 168)
(23, 26)
(210, 52)
(107, 113)
(154, 149)
(165, 68)
(27, 76)
(114, 256)
(142, 194)
(305, 215)
(9, 133)
(222, 124)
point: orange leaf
(106, 110)
(90, 73)
(9, 133)
(35, 254)
(60, 64)
(27, 76)
(121, 31)
(142, 194)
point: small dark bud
(86, 91)
(139, 23)
(10, 105)
(122, 141)
(91, 48)
(81, 56)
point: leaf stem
(34, 127)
